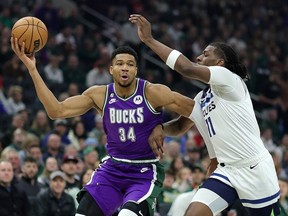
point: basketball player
(246, 169)
(131, 177)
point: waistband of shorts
(145, 161)
(249, 161)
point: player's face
(123, 69)
(208, 57)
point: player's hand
(28, 59)
(156, 140)
(144, 27)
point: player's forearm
(177, 127)
(49, 101)
(180, 63)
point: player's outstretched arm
(172, 58)
(71, 107)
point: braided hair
(231, 60)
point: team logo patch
(138, 99)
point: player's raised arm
(73, 106)
(173, 58)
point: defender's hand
(156, 140)
(144, 27)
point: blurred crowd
(77, 56)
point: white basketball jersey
(228, 116)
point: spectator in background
(49, 14)
(77, 134)
(13, 201)
(177, 164)
(267, 138)
(90, 157)
(73, 71)
(101, 147)
(69, 168)
(99, 75)
(13, 72)
(36, 153)
(14, 101)
(53, 148)
(53, 74)
(97, 129)
(17, 121)
(60, 128)
(28, 182)
(66, 39)
(11, 155)
(54, 200)
(18, 138)
(29, 140)
(73, 89)
(40, 124)
(51, 165)
(283, 201)
(183, 179)
(168, 194)
(86, 176)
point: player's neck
(125, 91)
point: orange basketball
(32, 31)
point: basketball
(32, 31)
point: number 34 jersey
(128, 123)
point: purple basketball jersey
(128, 123)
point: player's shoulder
(95, 90)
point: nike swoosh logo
(140, 213)
(253, 166)
(112, 101)
(144, 169)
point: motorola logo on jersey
(127, 116)
(138, 99)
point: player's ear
(111, 70)
(220, 62)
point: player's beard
(126, 85)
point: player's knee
(198, 209)
(87, 206)
(134, 209)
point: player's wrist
(172, 58)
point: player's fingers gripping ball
(32, 31)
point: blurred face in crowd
(30, 170)
(51, 164)
(57, 186)
(14, 158)
(54, 142)
(87, 176)
(69, 168)
(6, 173)
(35, 152)
(283, 188)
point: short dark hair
(30, 159)
(231, 59)
(125, 50)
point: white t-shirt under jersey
(228, 116)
